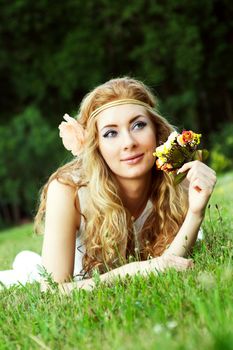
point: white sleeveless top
(79, 248)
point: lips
(133, 157)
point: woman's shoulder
(62, 194)
(57, 188)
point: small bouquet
(177, 150)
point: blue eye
(139, 124)
(142, 124)
(109, 132)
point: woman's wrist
(67, 288)
(198, 216)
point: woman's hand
(202, 180)
(164, 262)
(67, 288)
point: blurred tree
(29, 151)
(221, 157)
(49, 56)
(53, 53)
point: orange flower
(188, 135)
(167, 167)
(185, 137)
(72, 134)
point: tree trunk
(228, 105)
(16, 213)
(6, 214)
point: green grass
(188, 310)
(16, 239)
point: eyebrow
(131, 120)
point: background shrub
(221, 156)
(29, 150)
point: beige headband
(74, 135)
(117, 103)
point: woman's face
(127, 131)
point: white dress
(26, 265)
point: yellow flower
(159, 163)
(196, 138)
(167, 147)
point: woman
(110, 209)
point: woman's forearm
(155, 265)
(129, 269)
(186, 236)
(122, 271)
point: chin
(135, 173)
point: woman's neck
(134, 194)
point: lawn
(174, 310)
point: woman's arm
(155, 265)
(61, 222)
(187, 235)
(202, 180)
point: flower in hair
(177, 150)
(72, 134)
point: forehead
(120, 114)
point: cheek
(108, 151)
(153, 139)
(149, 140)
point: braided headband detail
(74, 135)
(118, 103)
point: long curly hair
(108, 234)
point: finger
(188, 263)
(184, 263)
(187, 166)
(177, 262)
(182, 267)
(202, 174)
(198, 165)
(175, 258)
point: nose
(128, 140)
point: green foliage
(29, 151)
(181, 49)
(51, 56)
(222, 148)
(15, 239)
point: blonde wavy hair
(108, 236)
